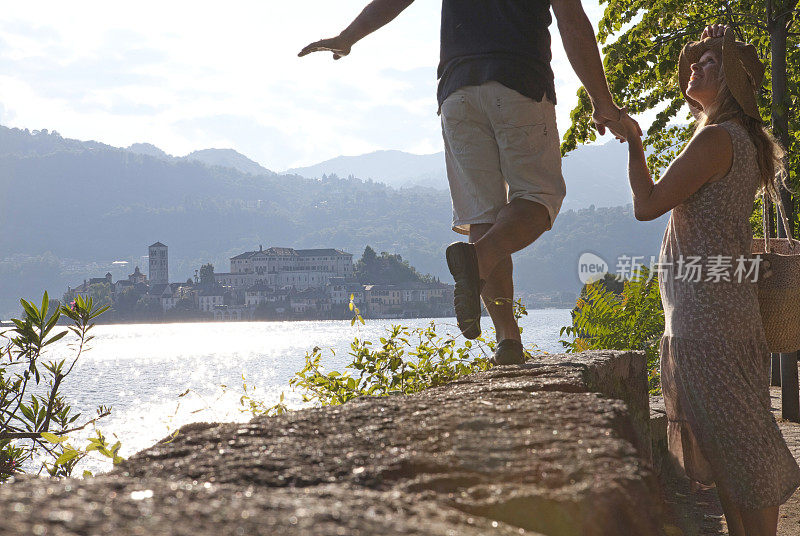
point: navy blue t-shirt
(506, 41)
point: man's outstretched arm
(376, 15)
(580, 45)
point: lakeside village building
(291, 283)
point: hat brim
(743, 73)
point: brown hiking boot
(508, 352)
(463, 264)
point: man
(497, 101)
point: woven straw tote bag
(779, 294)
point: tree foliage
(630, 320)
(643, 40)
(389, 268)
(207, 276)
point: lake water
(141, 369)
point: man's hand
(338, 45)
(617, 120)
(602, 115)
(377, 14)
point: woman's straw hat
(743, 71)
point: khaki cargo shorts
(499, 146)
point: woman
(714, 358)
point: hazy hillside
(40, 142)
(70, 209)
(595, 174)
(393, 168)
(228, 158)
(211, 157)
(150, 150)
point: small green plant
(632, 320)
(406, 361)
(250, 402)
(356, 312)
(35, 417)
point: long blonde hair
(769, 153)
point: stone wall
(556, 447)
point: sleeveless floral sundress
(714, 358)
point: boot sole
(457, 263)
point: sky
(194, 75)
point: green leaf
(30, 310)
(53, 438)
(27, 412)
(54, 338)
(45, 305)
(66, 456)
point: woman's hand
(626, 129)
(713, 30)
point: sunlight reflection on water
(141, 369)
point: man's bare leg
(518, 224)
(498, 292)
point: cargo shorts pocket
(454, 123)
(522, 123)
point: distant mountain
(595, 174)
(230, 159)
(23, 142)
(227, 158)
(393, 168)
(150, 150)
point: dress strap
(736, 130)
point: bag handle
(784, 219)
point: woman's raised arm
(707, 157)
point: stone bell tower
(159, 266)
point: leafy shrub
(632, 320)
(406, 361)
(35, 418)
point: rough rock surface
(548, 447)
(112, 505)
(658, 435)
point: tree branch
(19, 401)
(694, 28)
(38, 435)
(50, 402)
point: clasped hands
(621, 125)
(618, 122)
